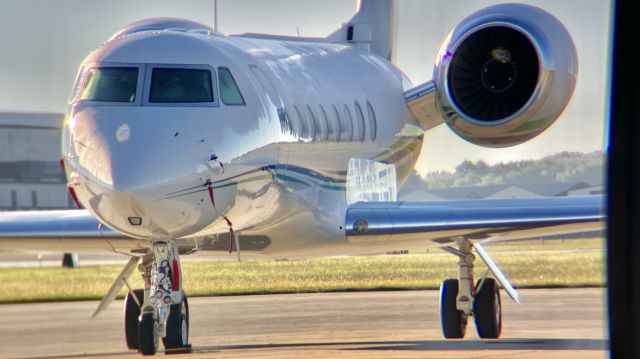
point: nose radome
(137, 203)
(133, 169)
(142, 212)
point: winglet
(116, 286)
(493, 267)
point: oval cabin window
(308, 130)
(341, 134)
(373, 126)
(348, 122)
(359, 122)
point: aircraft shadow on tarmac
(431, 345)
(502, 344)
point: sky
(42, 43)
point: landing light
(72, 123)
(135, 221)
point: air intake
(493, 73)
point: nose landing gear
(161, 311)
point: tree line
(560, 167)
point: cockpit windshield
(154, 85)
(175, 85)
(111, 84)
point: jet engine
(505, 74)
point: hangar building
(30, 173)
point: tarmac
(550, 323)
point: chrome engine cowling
(505, 74)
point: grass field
(528, 264)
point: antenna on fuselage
(215, 15)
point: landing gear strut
(460, 299)
(161, 310)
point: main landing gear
(461, 298)
(160, 312)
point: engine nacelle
(505, 74)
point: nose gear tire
(178, 326)
(131, 317)
(147, 336)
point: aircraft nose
(144, 210)
(124, 193)
(141, 178)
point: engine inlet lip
(525, 109)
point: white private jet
(181, 139)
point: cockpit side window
(111, 84)
(229, 92)
(178, 85)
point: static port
(135, 221)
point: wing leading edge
(62, 231)
(443, 221)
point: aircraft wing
(444, 221)
(438, 221)
(60, 231)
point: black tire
(131, 317)
(148, 340)
(487, 310)
(178, 325)
(454, 321)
